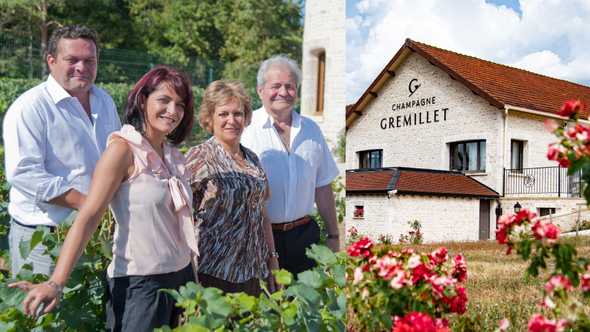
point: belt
(51, 228)
(287, 226)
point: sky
(549, 37)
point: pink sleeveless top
(154, 230)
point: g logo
(413, 86)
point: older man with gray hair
(297, 161)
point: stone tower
(324, 47)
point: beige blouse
(154, 230)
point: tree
(230, 36)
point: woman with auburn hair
(141, 174)
(229, 194)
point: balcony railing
(541, 181)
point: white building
(323, 91)
(465, 135)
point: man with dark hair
(54, 134)
(298, 163)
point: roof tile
(416, 181)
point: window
(469, 156)
(516, 154)
(370, 159)
(321, 85)
(546, 211)
(359, 211)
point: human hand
(47, 293)
(273, 264)
(333, 244)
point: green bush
(314, 302)
(11, 88)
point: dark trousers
(134, 303)
(291, 246)
(250, 287)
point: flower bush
(565, 304)
(403, 290)
(537, 241)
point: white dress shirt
(293, 177)
(51, 146)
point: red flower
(585, 280)
(570, 108)
(459, 268)
(439, 256)
(420, 272)
(543, 230)
(538, 323)
(553, 152)
(459, 302)
(523, 216)
(361, 247)
(418, 322)
(502, 231)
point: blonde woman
(229, 192)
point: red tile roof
(415, 181)
(500, 85)
(370, 180)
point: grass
(497, 286)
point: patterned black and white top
(228, 199)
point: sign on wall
(409, 112)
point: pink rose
(439, 256)
(543, 230)
(504, 325)
(557, 283)
(538, 323)
(387, 267)
(459, 268)
(418, 322)
(399, 279)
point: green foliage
(10, 89)
(340, 202)
(341, 147)
(237, 34)
(314, 302)
(82, 306)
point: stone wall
(442, 218)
